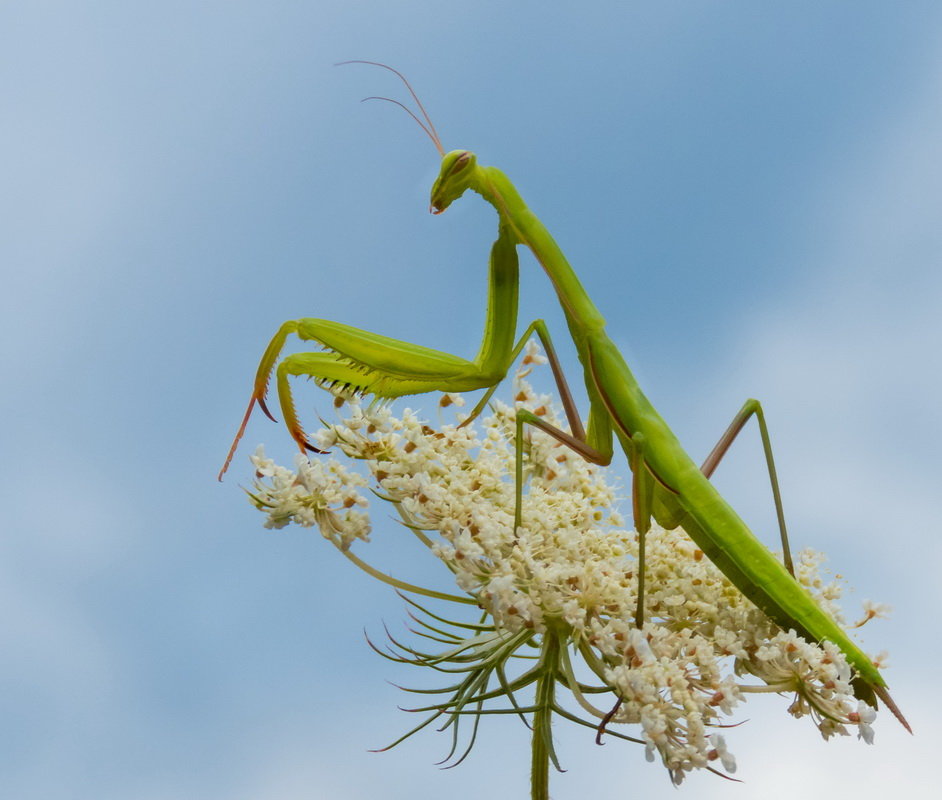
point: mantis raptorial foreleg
(749, 408)
(360, 362)
(357, 364)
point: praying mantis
(668, 487)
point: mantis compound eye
(461, 162)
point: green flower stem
(542, 748)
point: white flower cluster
(572, 567)
(322, 493)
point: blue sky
(752, 194)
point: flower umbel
(558, 595)
(317, 493)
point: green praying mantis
(668, 487)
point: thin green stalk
(402, 585)
(542, 748)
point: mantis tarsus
(667, 485)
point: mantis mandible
(668, 487)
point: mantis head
(457, 172)
(458, 167)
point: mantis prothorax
(668, 487)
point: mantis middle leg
(643, 481)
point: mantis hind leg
(754, 407)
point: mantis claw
(261, 403)
(300, 437)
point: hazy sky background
(752, 194)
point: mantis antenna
(428, 126)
